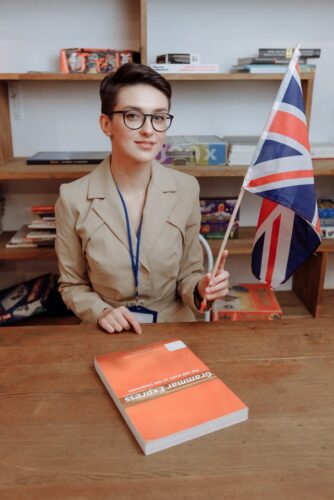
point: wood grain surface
(61, 436)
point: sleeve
(191, 267)
(74, 285)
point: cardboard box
(193, 150)
(247, 302)
(79, 60)
(216, 214)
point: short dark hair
(130, 74)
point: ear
(106, 125)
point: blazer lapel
(160, 199)
(106, 201)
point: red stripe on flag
(286, 124)
(267, 207)
(273, 249)
(268, 179)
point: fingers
(132, 320)
(218, 286)
(118, 319)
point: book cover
(67, 157)
(193, 150)
(287, 53)
(25, 300)
(167, 395)
(247, 302)
(216, 214)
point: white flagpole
(223, 245)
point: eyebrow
(136, 108)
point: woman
(127, 234)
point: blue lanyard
(134, 260)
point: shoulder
(80, 191)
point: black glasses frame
(145, 115)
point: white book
(186, 68)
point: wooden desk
(62, 437)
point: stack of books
(241, 148)
(182, 63)
(322, 150)
(326, 215)
(41, 232)
(274, 60)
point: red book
(167, 395)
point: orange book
(247, 302)
(167, 395)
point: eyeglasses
(136, 119)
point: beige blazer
(93, 250)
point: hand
(217, 287)
(115, 320)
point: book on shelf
(215, 217)
(22, 239)
(67, 157)
(240, 148)
(287, 53)
(193, 150)
(178, 58)
(327, 232)
(322, 150)
(186, 68)
(167, 395)
(247, 302)
(269, 68)
(326, 212)
(42, 224)
(267, 60)
(25, 299)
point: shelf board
(70, 77)
(15, 254)
(240, 246)
(17, 169)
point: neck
(130, 176)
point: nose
(147, 128)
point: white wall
(64, 116)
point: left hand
(217, 287)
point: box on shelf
(326, 213)
(193, 150)
(80, 60)
(178, 58)
(327, 232)
(25, 299)
(216, 214)
(247, 302)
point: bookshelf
(307, 284)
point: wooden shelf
(64, 77)
(14, 254)
(17, 169)
(241, 246)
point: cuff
(198, 300)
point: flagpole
(223, 245)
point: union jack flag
(288, 229)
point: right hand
(115, 320)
